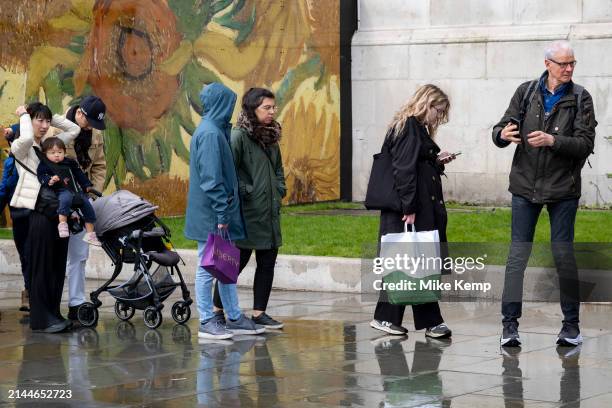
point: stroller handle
(155, 232)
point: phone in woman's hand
(447, 158)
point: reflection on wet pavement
(313, 362)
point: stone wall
(478, 51)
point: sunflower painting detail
(148, 59)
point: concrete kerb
(304, 273)
(293, 272)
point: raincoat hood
(218, 103)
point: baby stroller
(130, 233)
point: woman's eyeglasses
(268, 108)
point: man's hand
(510, 134)
(21, 110)
(540, 139)
(54, 180)
(8, 132)
(409, 218)
(222, 226)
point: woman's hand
(222, 226)
(21, 110)
(409, 218)
(446, 157)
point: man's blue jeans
(204, 295)
(525, 216)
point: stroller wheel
(125, 331)
(87, 314)
(180, 312)
(152, 341)
(124, 311)
(152, 317)
(88, 338)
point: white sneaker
(388, 327)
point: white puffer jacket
(28, 186)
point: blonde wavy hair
(425, 97)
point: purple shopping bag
(221, 258)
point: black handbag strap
(23, 165)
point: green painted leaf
(192, 16)
(178, 145)
(295, 77)
(133, 152)
(66, 81)
(183, 113)
(194, 76)
(113, 147)
(77, 44)
(53, 91)
(244, 28)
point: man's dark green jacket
(550, 174)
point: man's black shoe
(510, 335)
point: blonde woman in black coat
(418, 165)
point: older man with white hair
(552, 123)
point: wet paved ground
(326, 356)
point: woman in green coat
(261, 182)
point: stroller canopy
(119, 209)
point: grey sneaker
(569, 335)
(440, 331)
(510, 335)
(268, 322)
(214, 329)
(244, 325)
(219, 314)
(388, 327)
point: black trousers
(425, 315)
(264, 275)
(525, 216)
(47, 265)
(20, 235)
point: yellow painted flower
(311, 143)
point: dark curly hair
(252, 99)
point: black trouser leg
(20, 235)
(47, 266)
(562, 220)
(425, 315)
(264, 276)
(245, 255)
(525, 216)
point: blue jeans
(204, 295)
(65, 203)
(525, 216)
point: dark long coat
(418, 181)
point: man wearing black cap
(88, 150)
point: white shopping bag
(415, 253)
(414, 257)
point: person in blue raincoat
(213, 204)
(19, 216)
